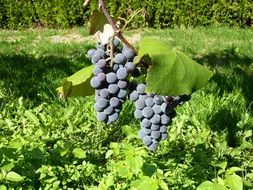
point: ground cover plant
(51, 144)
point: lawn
(47, 143)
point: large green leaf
(78, 84)
(172, 72)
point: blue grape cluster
(110, 82)
(155, 113)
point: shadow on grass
(34, 78)
(225, 120)
(197, 159)
(232, 71)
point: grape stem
(116, 29)
(86, 3)
(111, 51)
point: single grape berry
(134, 96)
(147, 112)
(95, 82)
(147, 140)
(101, 116)
(119, 58)
(141, 88)
(114, 102)
(104, 93)
(111, 77)
(122, 73)
(130, 67)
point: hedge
(17, 14)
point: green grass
(39, 133)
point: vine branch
(86, 3)
(116, 29)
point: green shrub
(17, 14)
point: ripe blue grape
(164, 136)
(104, 93)
(130, 67)
(156, 119)
(157, 109)
(90, 53)
(122, 73)
(95, 82)
(101, 77)
(128, 53)
(97, 107)
(149, 101)
(139, 104)
(102, 102)
(163, 129)
(101, 63)
(116, 42)
(138, 114)
(122, 84)
(165, 120)
(147, 140)
(141, 134)
(113, 117)
(113, 88)
(101, 116)
(147, 112)
(158, 100)
(115, 67)
(155, 134)
(114, 102)
(122, 94)
(155, 127)
(146, 123)
(97, 71)
(146, 130)
(97, 55)
(119, 58)
(153, 146)
(134, 96)
(109, 110)
(141, 88)
(166, 108)
(111, 77)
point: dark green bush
(17, 14)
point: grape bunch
(155, 113)
(110, 80)
(112, 86)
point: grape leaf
(78, 84)
(172, 72)
(97, 21)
